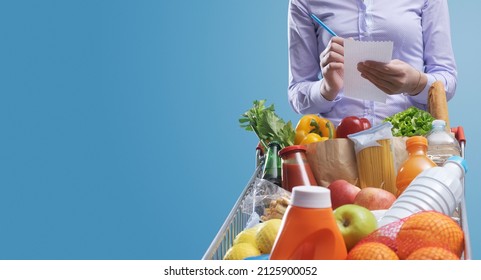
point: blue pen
(323, 25)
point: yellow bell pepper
(314, 124)
(312, 138)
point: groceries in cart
(309, 228)
(264, 201)
(352, 190)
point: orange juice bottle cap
(417, 140)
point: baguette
(437, 103)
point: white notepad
(356, 86)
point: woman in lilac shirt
(422, 54)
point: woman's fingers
(331, 57)
(393, 77)
(332, 68)
(338, 40)
(334, 52)
(336, 45)
(382, 70)
(384, 85)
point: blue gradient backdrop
(119, 133)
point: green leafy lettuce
(410, 122)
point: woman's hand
(332, 67)
(394, 77)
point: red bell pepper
(350, 125)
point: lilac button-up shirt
(420, 30)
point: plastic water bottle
(438, 188)
(309, 230)
(441, 143)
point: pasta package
(375, 157)
(335, 159)
(331, 160)
(437, 103)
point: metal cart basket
(236, 221)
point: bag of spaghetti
(375, 157)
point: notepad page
(356, 86)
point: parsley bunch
(267, 125)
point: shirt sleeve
(439, 59)
(304, 91)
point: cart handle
(459, 133)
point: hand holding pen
(332, 64)
(394, 77)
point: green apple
(355, 222)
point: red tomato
(350, 125)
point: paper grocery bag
(336, 159)
(331, 160)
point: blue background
(119, 121)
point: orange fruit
(372, 251)
(432, 253)
(429, 228)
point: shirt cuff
(320, 101)
(422, 97)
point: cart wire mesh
(235, 222)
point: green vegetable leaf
(267, 125)
(410, 122)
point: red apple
(342, 192)
(374, 198)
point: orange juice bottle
(416, 162)
(309, 230)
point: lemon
(246, 236)
(266, 235)
(241, 251)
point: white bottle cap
(311, 197)
(460, 162)
(439, 123)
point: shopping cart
(463, 215)
(237, 220)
